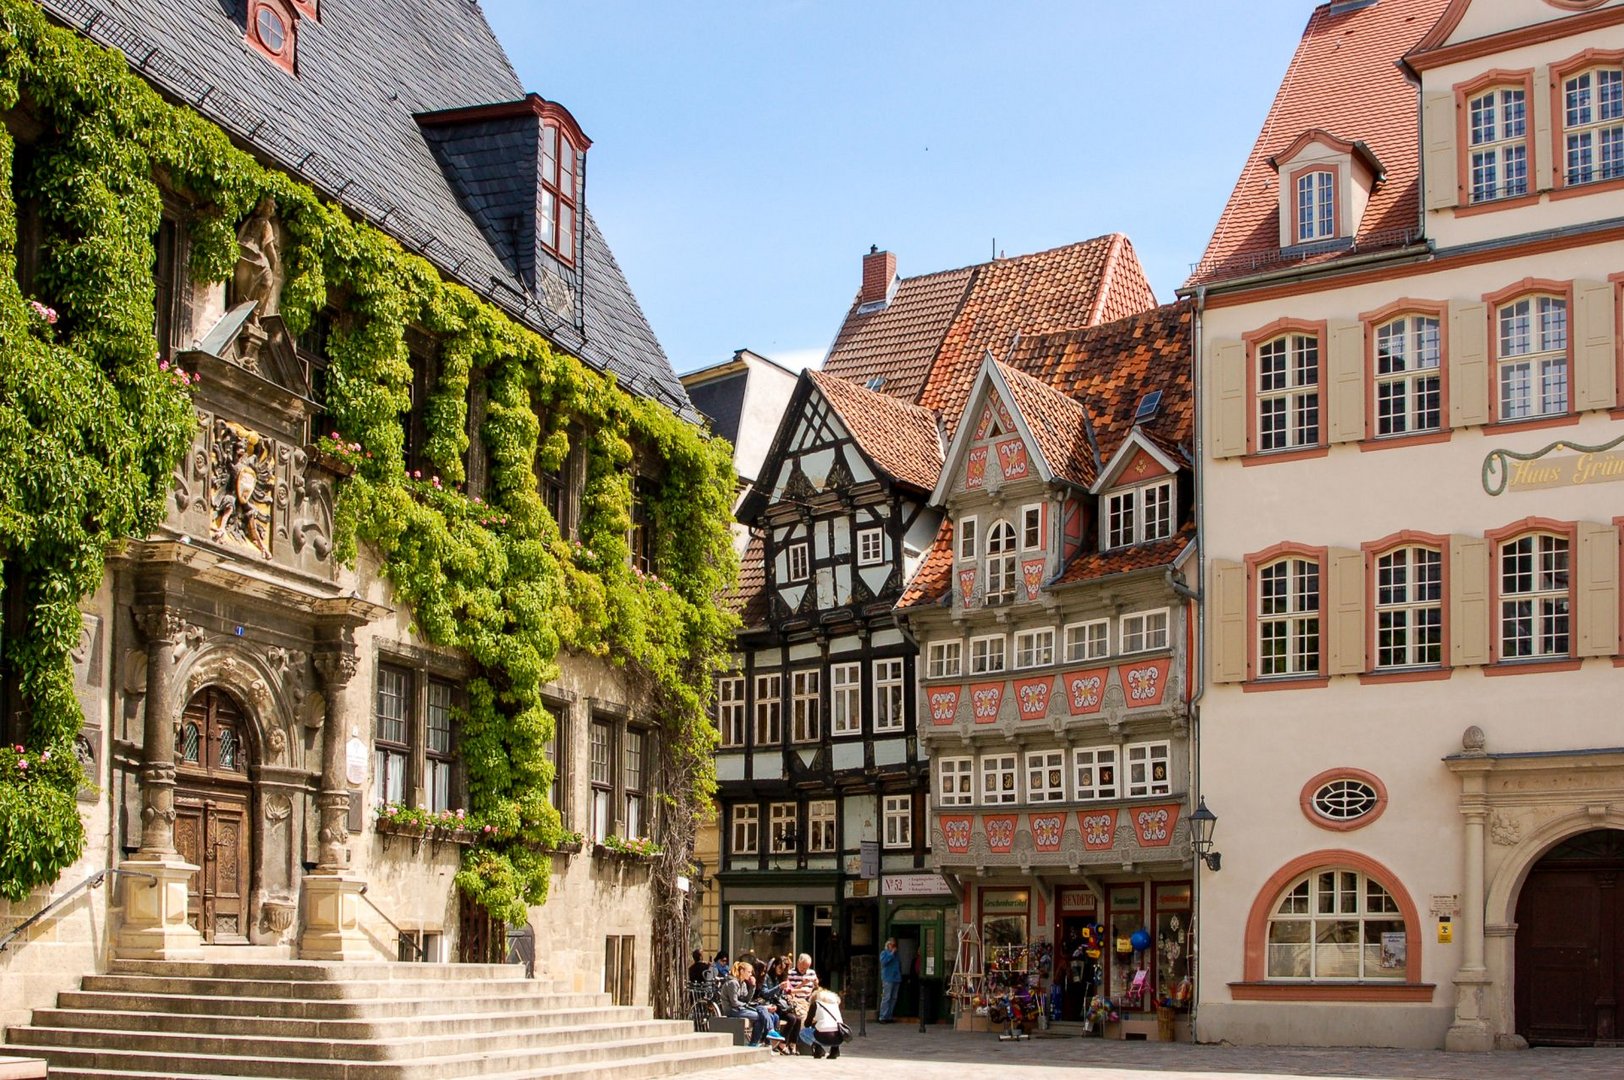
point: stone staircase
(374, 1021)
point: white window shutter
(1541, 151)
(1469, 615)
(1597, 580)
(1345, 386)
(1441, 165)
(1226, 585)
(1468, 365)
(1595, 346)
(1345, 609)
(1229, 403)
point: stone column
(1472, 1030)
(331, 927)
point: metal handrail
(404, 936)
(91, 882)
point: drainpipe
(1200, 510)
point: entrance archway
(213, 798)
(1570, 943)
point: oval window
(272, 31)
(1345, 799)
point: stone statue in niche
(259, 277)
(242, 483)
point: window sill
(1393, 442)
(388, 831)
(1270, 457)
(1285, 991)
(1405, 675)
(1531, 667)
(1488, 206)
(1309, 682)
(599, 851)
(1534, 423)
(1572, 191)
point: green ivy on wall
(91, 429)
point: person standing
(890, 980)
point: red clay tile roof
(1059, 424)
(899, 341)
(935, 574)
(1345, 79)
(748, 597)
(900, 438)
(1098, 564)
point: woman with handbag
(829, 1028)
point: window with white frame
(1497, 134)
(805, 723)
(1335, 924)
(769, 711)
(1046, 776)
(1288, 618)
(1148, 771)
(730, 709)
(846, 698)
(1001, 572)
(1094, 772)
(1409, 608)
(955, 781)
(898, 817)
(1288, 395)
(1409, 396)
(998, 780)
(438, 754)
(1532, 357)
(600, 758)
(820, 826)
(870, 546)
(888, 710)
(1121, 518)
(1534, 597)
(392, 733)
(968, 539)
(945, 659)
(987, 654)
(1143, 631)
(633, 766)
(799, 564)
(1032, 527)
(746, 829)
(1316, 206)
(1034, 648)
(1593, 125)
(1156, 511)
(1088, 640)
(781, 838)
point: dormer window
(272, 30)
(1139, 515)
(1325, 184)
(1316, 206)
(560, 193)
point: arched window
(1288, 617)
(1592, 119)
(1000, 562)
(1535, 596)
(1497, 137)
(1409, 608)
(1336, 924)
(1531, 357)
(1409, 388)
(1316, 206)
(560, 192)
(1288, 401)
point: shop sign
(1144, 683)
(956, 833)
(975, 467)
(1085, 690)
(1000, 832)
(1047, 830)
(1173, 896)
(1012, 458)
(868, 854)
(1032, 576)
(1154, 824)
(1076, 901)
(1098, 827)
(985, 701)
(944, 704)
(1002, 902)
(1505, 470)
(1032, 698)
(913, 885)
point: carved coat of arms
(242, 485)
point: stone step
(204, 986)
(249, 1021)
(318, 971)
(327, 1008)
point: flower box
(416, 833)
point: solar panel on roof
(1148, 405)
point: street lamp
(1202, 824)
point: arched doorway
(212, 826)
(1570, 943)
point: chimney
(879, 270)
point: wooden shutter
(1345, 385)
(1595, 346)
(1227, 587)
(1345, 612)
(1229, 403)
(1469, 616)
(1541, 151)
(1441, 164)
(1468, 365)
(1596, 608)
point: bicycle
(702, 1006)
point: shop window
(1095, 772)
(1001, 559)
(1148, 771)
(1034, 648)
(1535, 597)
(998, 780)
(889, 714)
(898, 821)
(945, 659)
(601, 757)
(987, 654)
(805, 704)
(1409, 608)
(1088, 640)
(870, 547)
(746, 829)
(1046, 776)
(1531, 358)
(1144, 631)
(956, 781)
(781, 836)
(730, 710)
(820, 826)
(765, 931)
(967, 539)
(1288, 618)
(1336, 924)
(846, 698)
(769, 711)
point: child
(823, 1019)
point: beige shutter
(1345, 383)
(1468, 365)
(1229, 409)
(1345, 608)
(1597, 599)
(1441, 165)
(1227, 587)
(1469, 616)
(1542, 152)
(1595, 346)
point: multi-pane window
(1144, 630)
(968, 538)
(820, 826)
(870, 546)
(1088, 640)
(956, 781)
(437, 750)
(1288, 394)
(1046, 776)
(1034, 648)
(1288, 618)
(799, 566)
(557, 751)
(559, 193)
(1408, 389)
(1497, 130)
(1094, 773)
(746, 829)
(1409, 608)
(640, 540)
(998, 779)
(730, 710)
(1121, 518)
(846, 698)
(1148, 772)
(1031, 527)
(805, 725)
(888, 710)
(987, 654)
(392, 734)
(633, 770)
(601, 740)
(898, 817)
(1139, 515)
(1593, 125)
(1534, 597)
(1316, 206)
(769, 710)
(1532, 359)
(1331, 925)
(1001, 561)
(945, 658)
(781, 836)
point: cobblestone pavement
(900, 1052)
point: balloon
(1140, 940)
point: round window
(272, 31)
(1345, 799)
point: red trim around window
(286, 57)
(1527, 287)
(1569, 531)
(1374, 320)
(1297, 174)
(1498, 78)
(1255, 562)
(1573, 65)
(1306, 798)
(1375, 549)
(1262, 336)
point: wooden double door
(1570, 944)
(213, 829)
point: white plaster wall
(767, 391)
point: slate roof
(1092, 565)
(346, 124)
(748, 597)
(898, 342)
(934, 575)
(1345, 79)
(1057, 423)
(900, 438)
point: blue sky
(745, 155)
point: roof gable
(1465, 21)
(1135, 448)
(891, 348)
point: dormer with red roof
(1325, 185)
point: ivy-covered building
(357, 536)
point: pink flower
(45, 755)
(355, 447)
(197, 376)
(417, 474)
(22, 763)
(335, 436)
(163, 365)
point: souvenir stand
(964, 990)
